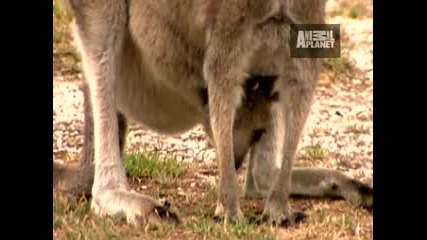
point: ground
(338, 135)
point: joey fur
(149, 61)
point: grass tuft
(164, 171)
(357, 11)
(313, 153)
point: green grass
(207, 227)
(57, 9)
(352, 9)
(338, 65)
(357, 11)
(313, 153)
(164, 171)
(60, 9)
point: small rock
(181, 193)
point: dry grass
(355, 9)
(194, 198)
(65, 59)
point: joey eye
(256, 135)
(255, 86)
(251, 84)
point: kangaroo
(173, 64)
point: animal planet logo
(315, 41)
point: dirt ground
(338, 135)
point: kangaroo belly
(151, 100)
(158, 108)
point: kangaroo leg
(100, 32)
